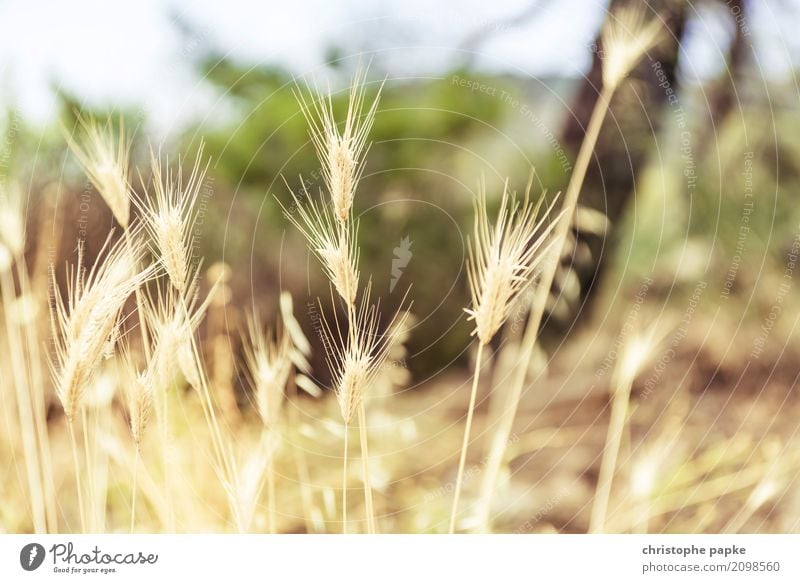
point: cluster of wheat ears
(151, 258)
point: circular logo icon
(31, 556)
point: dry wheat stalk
(27, 361)
(269, 364)
(170, 218)
(104, 158)
(331, 233)
(244, 490)
(502, 260)
(12, 220)
(626, 39)
(32, 425)
(83, 323)
(299, 354)
(355, 358)
(638, 349)
(139, 390)
(174, 320)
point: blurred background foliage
(433, 140)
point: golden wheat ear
(503, 257)
(333, 243)
(170, 217)
(139, 391)
(356, 356)
(84, 321)
(268, 365)
(626, 38)
(340, 150)
(173, 322)
(103, 152)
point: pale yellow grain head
(139, 390)
(340, 147)
(503, 257)
(170, 216)
(85, 321)
(356, 356)
(269, 364)
(626, 38)
(103, 153)
(333, 243)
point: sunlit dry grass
(125, 422)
